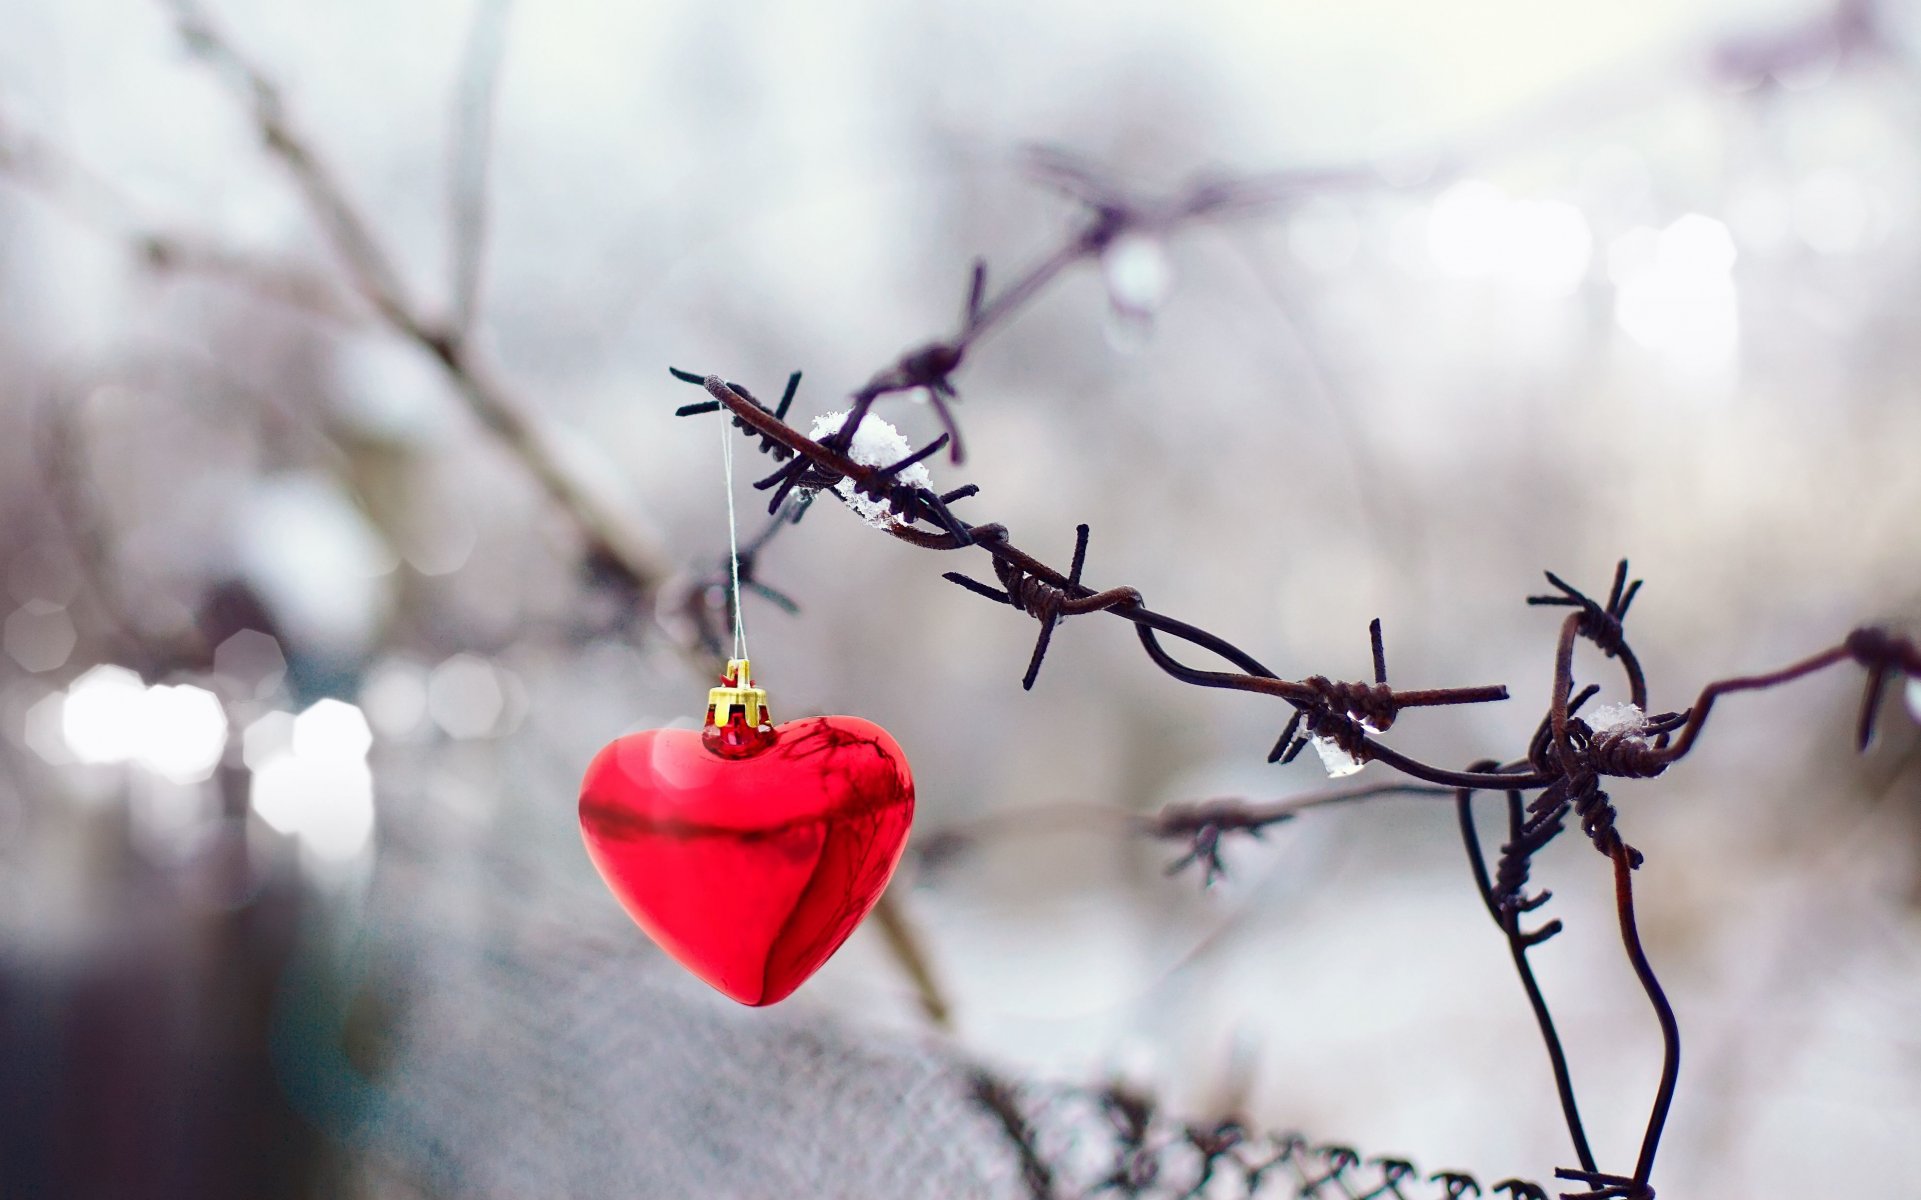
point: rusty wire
(1346, 713)
(1563, 768)
(1076, 1143)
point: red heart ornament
(749, 852)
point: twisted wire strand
(1072, 1142)
(1565, 763)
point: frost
(876, 444)
(1139, 278)
(1626, 719)
(1338, 762)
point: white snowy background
(1633, 279)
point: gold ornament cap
(737, 691)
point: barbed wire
(1559, 776)
(1075, 1143)
(1566, 760)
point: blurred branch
(290, 284)
(1566, 760)
(359, 250)
(614, 544)
(1565, 763)
(42, 170)
(1202, 825)
(1110, 213)
(475, 104)
(910, 951)
(68, 476)
(614, 540)
(956, 839)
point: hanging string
(733, 539)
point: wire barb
(1884, 656)
(1114, 1140)
(1045, 601)
(1567, 759)
(1601, 624)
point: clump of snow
(876, 444)
(1338, 762)
(1139, 276)
(1914, 699)
(1624, 718)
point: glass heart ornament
(747, 850)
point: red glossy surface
(750, 870)
(737, 739)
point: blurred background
(303, 660)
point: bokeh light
(1675, 290)
(39, 635)
(318, 789)
(292, 576)
(101, 716)
(465, 697)
(181, 732)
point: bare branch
(467, 190)
(68, 475)
(1202, 825)
(58, 180)
(613, 538)
(1567, 758)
